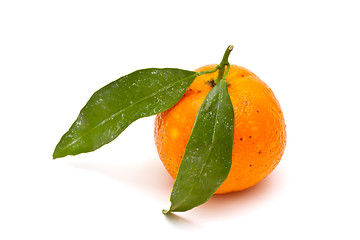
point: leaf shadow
(179, 221)
(149, 176)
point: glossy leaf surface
(114, 107)
(208, 154)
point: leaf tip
(165, 212)
(57, 154)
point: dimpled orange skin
(259, 131)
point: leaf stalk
(224, 63)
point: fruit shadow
(243, 202)
(153, 179)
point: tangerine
(259, 127)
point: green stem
(221, 67)
(224, 62)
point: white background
(55, 54)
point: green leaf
(208, 154)
(114, 107)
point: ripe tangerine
(259, 127)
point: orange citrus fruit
(259, 127)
